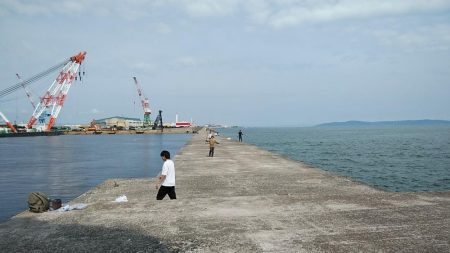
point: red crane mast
(144, 102)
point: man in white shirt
(209, 135)
(166, 182)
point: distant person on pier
(209, 135)
(212, 142)
(166, 181)
(240, 135)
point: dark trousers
(240, 138)
(211, 151)
(163, 190)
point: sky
(234, 62)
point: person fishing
(212, 141)
(240, 135)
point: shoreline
(180, 130)
(244, 199)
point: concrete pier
(242, 200)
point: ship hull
(29, 134)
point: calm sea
(394, 158)
(66, 166)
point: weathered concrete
(243, 200)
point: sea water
(393, 158)
(66, 166)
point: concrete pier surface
(242, 200)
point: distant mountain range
(422, 122)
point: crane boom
(144, 102)
(34, 78)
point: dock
(244, 199)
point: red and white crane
(54, 97)
(144, 102)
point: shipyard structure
(46, 111)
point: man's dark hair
(166, 154)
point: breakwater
(242, 200)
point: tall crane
(55, 96)
(144, 102)
(53, 99)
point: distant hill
(423, 122)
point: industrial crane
(54, 97)
(158, 122)
(145, 104)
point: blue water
(394, 158)
(66, 166)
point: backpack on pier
(38, 202)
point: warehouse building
(113, 122)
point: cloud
(296, 13)
(130, 10)
(273, 13)
(145, 66)
(186, 62)
(285, 13)
(259, 11)
(24, 8)
(3, 12)
(162, 28)
(426, 37)
(207, 8)
(95, 111)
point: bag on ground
(38, 202)
(55, 204)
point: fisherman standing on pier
(212, 141)
(240, 135)
(166, 183)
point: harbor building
(118, 121)
(182, 123)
